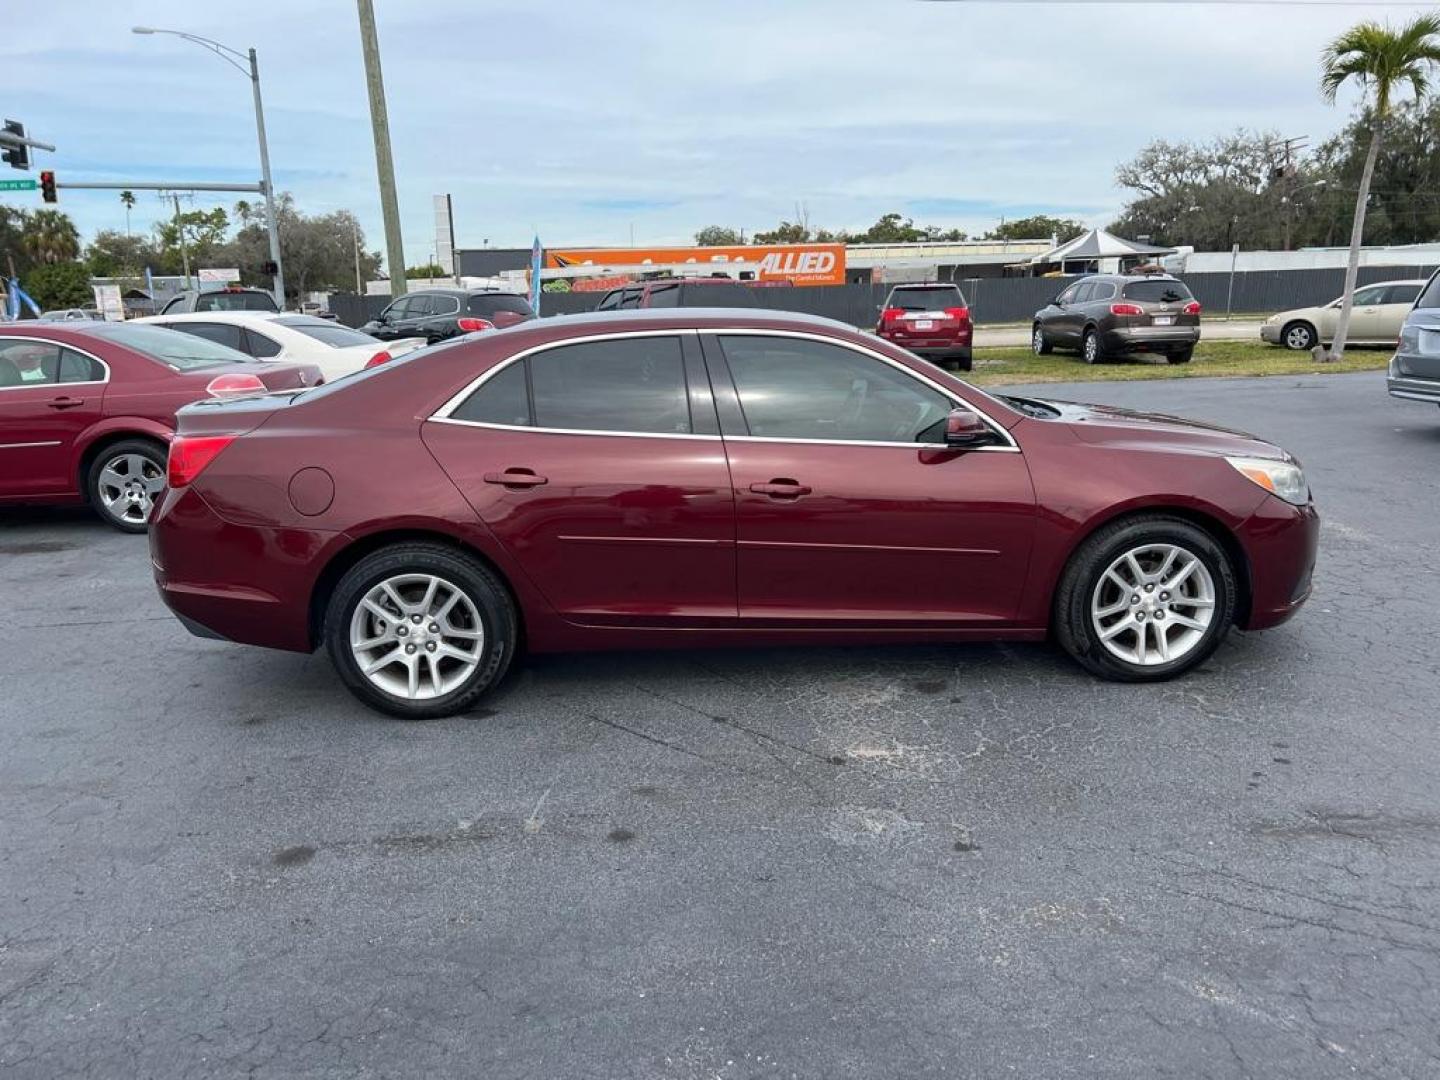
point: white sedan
(284, 336)
(1375, 318)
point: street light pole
(251, 69)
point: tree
(59, 285)
(127, 199)
(1382, 61)
(1037, 227)
(117, 254)
(12, 240)
(50, 237)
(429, 270)
(204, 232)
(319, 251)
(718, 236)
(785, 233)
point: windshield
(937, 298)
(487, 305)
(1156, 292)
(235, 301)
(327, 333)
(183, 352)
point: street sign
(17, 185)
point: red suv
(930, 321)
(692, 478)
(87, 410)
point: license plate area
(1164, 320)
(923, 324)
(1430, 342)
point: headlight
(1280, 478)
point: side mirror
(1058, 302)
(965, 428)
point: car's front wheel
(1299, 336)
(420, 630)
(1039, 343)
(1145, 599)
(124, 482)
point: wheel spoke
(429, 597)
(1113, 609)
(109, 476)
(1184, 574)
(379, 610)
(412, 671)
(1162, 641)
(1125, 586)
(1134, 565)
(1170, 557)
(394, 598)
(382, 661)
(433, 663)
(1116, 628)
(1185, 620)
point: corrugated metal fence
(992, 300)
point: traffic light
(17, 157)
(47, 186)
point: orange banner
(802, 264)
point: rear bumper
(1280, 542)
(1413, 389)
(233, 582)
(1140, 338)
(949, 344)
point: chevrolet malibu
(704, 477)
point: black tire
(1184, 356)
(98, 483)
(1090, 346)
(1040, 345)
(1082, 577)
(471, 577)
(963, 362)
(1299, 336)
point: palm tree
(128, 198)
(50, 237)
(1383, 61)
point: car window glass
(442, 305)
(610, 301)
(220, 333)
(791, 388)
(1068, 296)
(77, 367)
(1430, 298)
(183, 352)
(502, 399)
(1083, 292)
(631, 299)
(664, 296)
(28, 363)
(325, 331)
(1157, 292)
(628, 384)
(234, 301)
(1370, 295)
(257, 344)
(1103, 290)
(1402, 294)
(488, 304)
(935, 298)
(400, 309)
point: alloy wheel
(1037, 341)
(1297, 337)
(416, 636)
(1153, 605)
(1091, 347)
(129, 485)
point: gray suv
(1113, 314)
(1415, 368)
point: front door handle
(66, 402)
(516, 478)
(781, 488)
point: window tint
(183, 352)
(930, 298)
(1369, 295)
(664, 296)
(1084, 292)
(324, 331)
(716, 294)
(1103, 290)
(258, 345)
(631, 384)
(485, 306)
(76, 367)
(795, 389)
(1068, 296)
(1430, 298)
(400, 309)
(610, 301)
(501, 400)
(442, 305)
(1157, 292)
(28, 363)
(631, 299)
(220, 333)
(234, 301)
(1402, 294)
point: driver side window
(794, 388)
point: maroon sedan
(691, 477)
(87, 410)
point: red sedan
(690, 477)
(87, 409)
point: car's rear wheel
(1090, 346)
(124, 482)
(1039, 343)
(962, 362)
(1299, 336)
(1183, 356)
(1145, 599)
(420, 630)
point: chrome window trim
(62, 345)
(1010, 447)
(441, 296)
(573, 431)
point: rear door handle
(517, 478)
(781, 488)
(66, 402)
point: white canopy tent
(1098, 251)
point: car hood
(1125, 427)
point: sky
(592, 122)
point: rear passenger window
(220, 333)
(261, 346)
(1103, 290)
(665, 296)
(1084, 292)
(1430, 298)
(629, 384)
(1402, 294)
(502, 399)
(74, 367)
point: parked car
(1109, 315)
(440, 314)
(930, 321)
(696, 478)
(231, 298)
(1376, 316)
(1415, 368)
(320, 311)
(87, 410)
(679, 292)
(266, 335)
(73, 314)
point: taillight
(1192, 308)
(190, 454)
(890, 314)
(1126, 309)
(381, 357)
(234, 385)
(471, 325)
(961, 313)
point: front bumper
(1281, 541)
(1270, 333)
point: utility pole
(355, 236)
(184, 248)
(384, 161)
(1289, 174)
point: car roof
(213, 316)
(460, 292)
(688, 318)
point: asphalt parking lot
(960, 861)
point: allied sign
(800, 264)
(17, 185)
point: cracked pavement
(907, 861)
